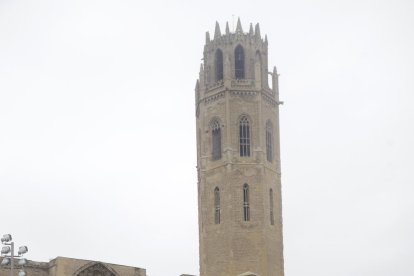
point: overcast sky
(97, 130)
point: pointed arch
(258, 67)
(269, 141)
(95, 269)
(246, 202)
(219, 65)
(216, 139)
(244, 136)
(217, 205)
(239, 62)
(258, 59)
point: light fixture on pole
(7, 252)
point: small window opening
(217, 205)
(269, 141)
(239, 62)
(219, 65)
(244, 133)
(246, 203)
(272, 218)
(216, 139)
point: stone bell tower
(238, 158)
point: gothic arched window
(95, 269)
(246, 203)
(219, 65)
(217, 205)
(244, 134)
(269, 141)
(239, 62)
(216, 140)
(272, 217)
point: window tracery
(216, 140)
(244, 134)
(239, 62)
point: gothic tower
(238, 158)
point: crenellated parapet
(228, 38)
(235, 60)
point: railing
(240, 83)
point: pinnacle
(257, 31)
(217, 32)
(239, 28)
(251, 30)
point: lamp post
(7, 252)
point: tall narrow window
(219, 65)
(217, 205)
(272, 217)
(216, 139)
(246, 203)
(269, 141)
(244, 133)
(239, 62)
(199, 144)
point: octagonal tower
(238, 157)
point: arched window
(246, 203)
(219, 65)
(272, 218)
(244, 133)
(239, 62)
(258, 67)
(95, 269)
(199, 143)
(269, 141)
(216, 139)
(217, 205)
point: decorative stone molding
(215, 85)
(248, 274)
(243, 93)
(213, 98)
(269, 100)
(95, 269)
(242, 83)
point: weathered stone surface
(62, 266)
(235, 246)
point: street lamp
(8, 248)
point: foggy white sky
(97, 130)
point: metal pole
(12, 259)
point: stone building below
(62, 266)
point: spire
(266, 39)
(197, 85)
(239, 27)
(227, 28)
(251, 30)
(257, 31)
(217, 32)
(207, 37)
